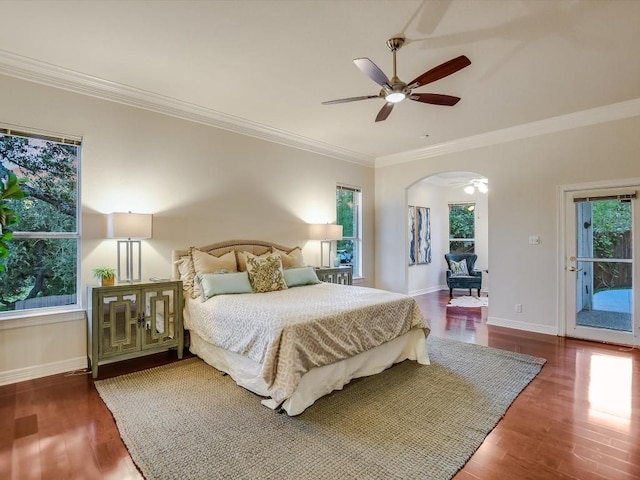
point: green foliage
(104, 272)
(461, 226)
(611, 221)
(40, 266)
(347, 217)
(10, 189)
(346, 212)
(461, 221)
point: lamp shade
(129, 225)
(325, 231)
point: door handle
(574, 269)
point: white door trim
(563, 193)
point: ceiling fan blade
(372, 71)
(441, 71)
(384, 112)
(351, 99)
(435, 99)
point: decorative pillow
(242, 258)
(213, 284)
(265, 274)
(291, 259)
(185, 269)
(459, 269)
(204, 262)
(295, 277)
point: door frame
(565, 193)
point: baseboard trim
(422, 291)
(44, 370)
(529, 327)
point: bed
(297, 339)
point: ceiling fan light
(469, 189)
(395, 97)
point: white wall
(522, 201)
(202, 185)
(427, 277)
(431, 277)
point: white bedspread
(289, 332)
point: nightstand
(342, 275)
(134, 319)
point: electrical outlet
(518, 308)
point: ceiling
(264, 67)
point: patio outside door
(600, 266)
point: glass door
(600, 268)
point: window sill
(34, 318)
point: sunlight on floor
(610, 383)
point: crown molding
(593, 116)
(51, 75)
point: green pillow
(213, 284)
(295, 277)
(459, 269)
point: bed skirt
(321, 380)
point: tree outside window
(42, 267)
(612, 239)
(462, 228)
(348, 200)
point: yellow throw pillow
(291, 259)
(265, 273)
(204, 262)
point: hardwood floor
(578, 419)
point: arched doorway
(435, 196)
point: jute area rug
(187, 421)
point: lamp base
(322, 262)
(127, 251)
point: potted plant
(9, 190)
(106, 276)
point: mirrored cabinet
(134, 319)
(342, 275)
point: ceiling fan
(474, 184)
(395, 90)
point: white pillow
(185, 270)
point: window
(349, 214)
(462, 228)
(41, 269)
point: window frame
(60, 312)
(471, 240)
(357, 238)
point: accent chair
(461, 272)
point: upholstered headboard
(257, 247)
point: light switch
(534, 240)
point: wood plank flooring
(579, 419)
